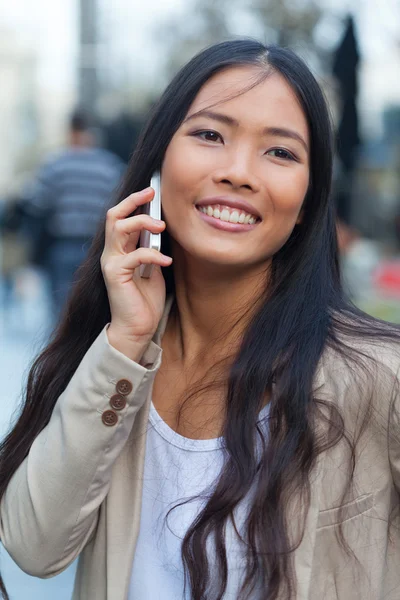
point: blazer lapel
(303, 556)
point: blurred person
(65, 204)
(13, 249)
(121, 135)
(228, 427)
(397, 228)
(359, 259)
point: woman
(261, 457)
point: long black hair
(303, 310)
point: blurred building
(18, 95)
(377, 190)
(379, 86)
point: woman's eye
(281, 153)
(209, 136)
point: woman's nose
(238, 172)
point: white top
(178, 468)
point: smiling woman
(229, 427)
(236, 157)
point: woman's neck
(213, 307)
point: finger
(137, 223)
(129, 229)
(144, 256)
(112, 266)
(127, 206)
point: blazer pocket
(334, 516)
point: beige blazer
(78, 492)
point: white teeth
(225, 215)
(234, 218)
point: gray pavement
(22, 329)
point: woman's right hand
(136, 303)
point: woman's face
(236, 172)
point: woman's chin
(224, 262)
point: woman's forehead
(229, 83)
(251, 90)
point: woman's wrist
(134, 349)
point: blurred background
(77, 78)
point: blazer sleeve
(51, 505)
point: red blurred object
(387, 278)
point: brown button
(109, 418)
(124, 387)
(118, 402)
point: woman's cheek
(289, 196)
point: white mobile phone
(148, 239)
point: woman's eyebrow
(274, 131)
(213, 115)
(288, 133)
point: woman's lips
(225, 225)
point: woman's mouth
(228, 218)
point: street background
(22, 333)
(112, 60)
